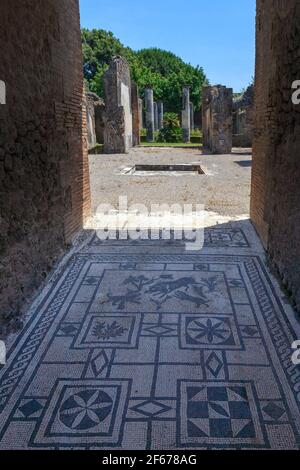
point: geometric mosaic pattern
(147, 346)
(223, 237)
(217, 411)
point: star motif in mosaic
(85, 409)
(88, 410)
(212, 331)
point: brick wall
(275, 201)
(44, 179)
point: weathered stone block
(217, 118)
(90, 121)
(118, 112)
(243, 119)
(99, 108)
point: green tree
(162, 70)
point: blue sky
(218, 34)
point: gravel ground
(224, 188)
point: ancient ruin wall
(118, 113)
(217, 119)
(99, 111)
(91, 121)
(243, 119)
(275, 200)
(44, 179)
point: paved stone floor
(224, 188)
(143, 345)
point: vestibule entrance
(45, 190)
(142, 343)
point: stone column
(90, 122)
(217, 118)
(160, 107)
(118, 112)
(99, 108)
(192, 117)
(141, 113)
(186, 119)
(155, 116)
(149, 114)
(136, 138)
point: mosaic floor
(143, 345)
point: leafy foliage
(171, 132)
(99, 47)
(162, 70)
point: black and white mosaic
(147, 350)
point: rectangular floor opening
(172, 169)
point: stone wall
(97, 112)
(90, 117)
(275, 200)
(118, 113)
(217, 118)
(136, 137)
(243, 119)
(44, 177)
(99, 121)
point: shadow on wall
(44, 179)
